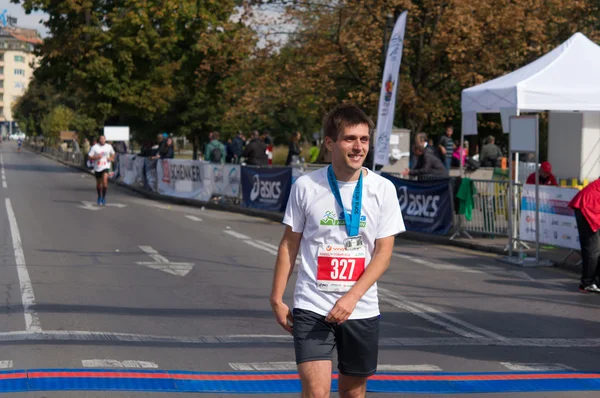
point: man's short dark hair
(448, 126)
(342, 117)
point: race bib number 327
(338, 269)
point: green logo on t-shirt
(332, 219)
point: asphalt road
(144, 284)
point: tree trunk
(195, 146)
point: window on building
(19, 58)
(20, 72)
(1, 83)
(1, 70)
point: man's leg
(358, 350)
(314, 342)
(104, 185)
(316, 379)
(590, 249)
(99, 187)
(352, 387)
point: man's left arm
(379, 264)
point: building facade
(17, 63)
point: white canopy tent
(565, 79)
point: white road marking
(437, 266)
(32, 321)
(3, 174)
(113, 363)
(535, 367)
(428, 313)
(82, 336)
(389, 296)
(261, 247)
(193, 218)
(403, 304)
(275, 366)
(236, 235)
(269, 245)
(264, 366)
(6, 364)
(163, 264)
(94, 207)
(408, 368)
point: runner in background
(102, 154)
(19, 143)
(343, 219)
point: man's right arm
(442, 145)
(286, 259)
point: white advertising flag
(387, 98)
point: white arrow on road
(94, 207)
(163, 264)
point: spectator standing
(461, 154)
(446, 146)
(237, 146)
(167, 151)
(215, 150)
(256, 151)
(587, 213)
(293, 148)
(313, 155)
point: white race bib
(338, 269)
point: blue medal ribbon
(352, 219)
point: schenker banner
(266, 188)
(426, 205)
(184, 179)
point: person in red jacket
(587, 213)
(546, 176)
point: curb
(278, 217)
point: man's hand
(405, 172)
(342, 310)
(283, 315)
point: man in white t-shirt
(102, 154)
(342, 219)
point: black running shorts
(99, 174)
(356, 340)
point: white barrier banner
(127, 170)
(225, 179)
(139, 169)
(184, 179)
(557, 221)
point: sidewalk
(498, 245)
